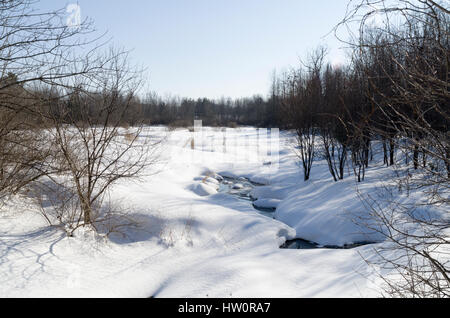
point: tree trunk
(87, 212)
(391, 151)
(416, 157)
(385, 155)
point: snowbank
(325, 213)
(203, 189)
(191, 241)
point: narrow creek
(241, 188)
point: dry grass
(130, 137)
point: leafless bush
(416, 254)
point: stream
(241, 188)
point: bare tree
(406, 63)
(62, 105)
(301, 100)
(333, 127)
(94, 151)
(34, 44)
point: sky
(215, 48)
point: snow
(192, 241)
(203, 189)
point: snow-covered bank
(324, 211)
(195, 243)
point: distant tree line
(253, 111)
(180, 112)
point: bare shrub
(416, 254)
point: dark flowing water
(306, 245)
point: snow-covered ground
(195, 241)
